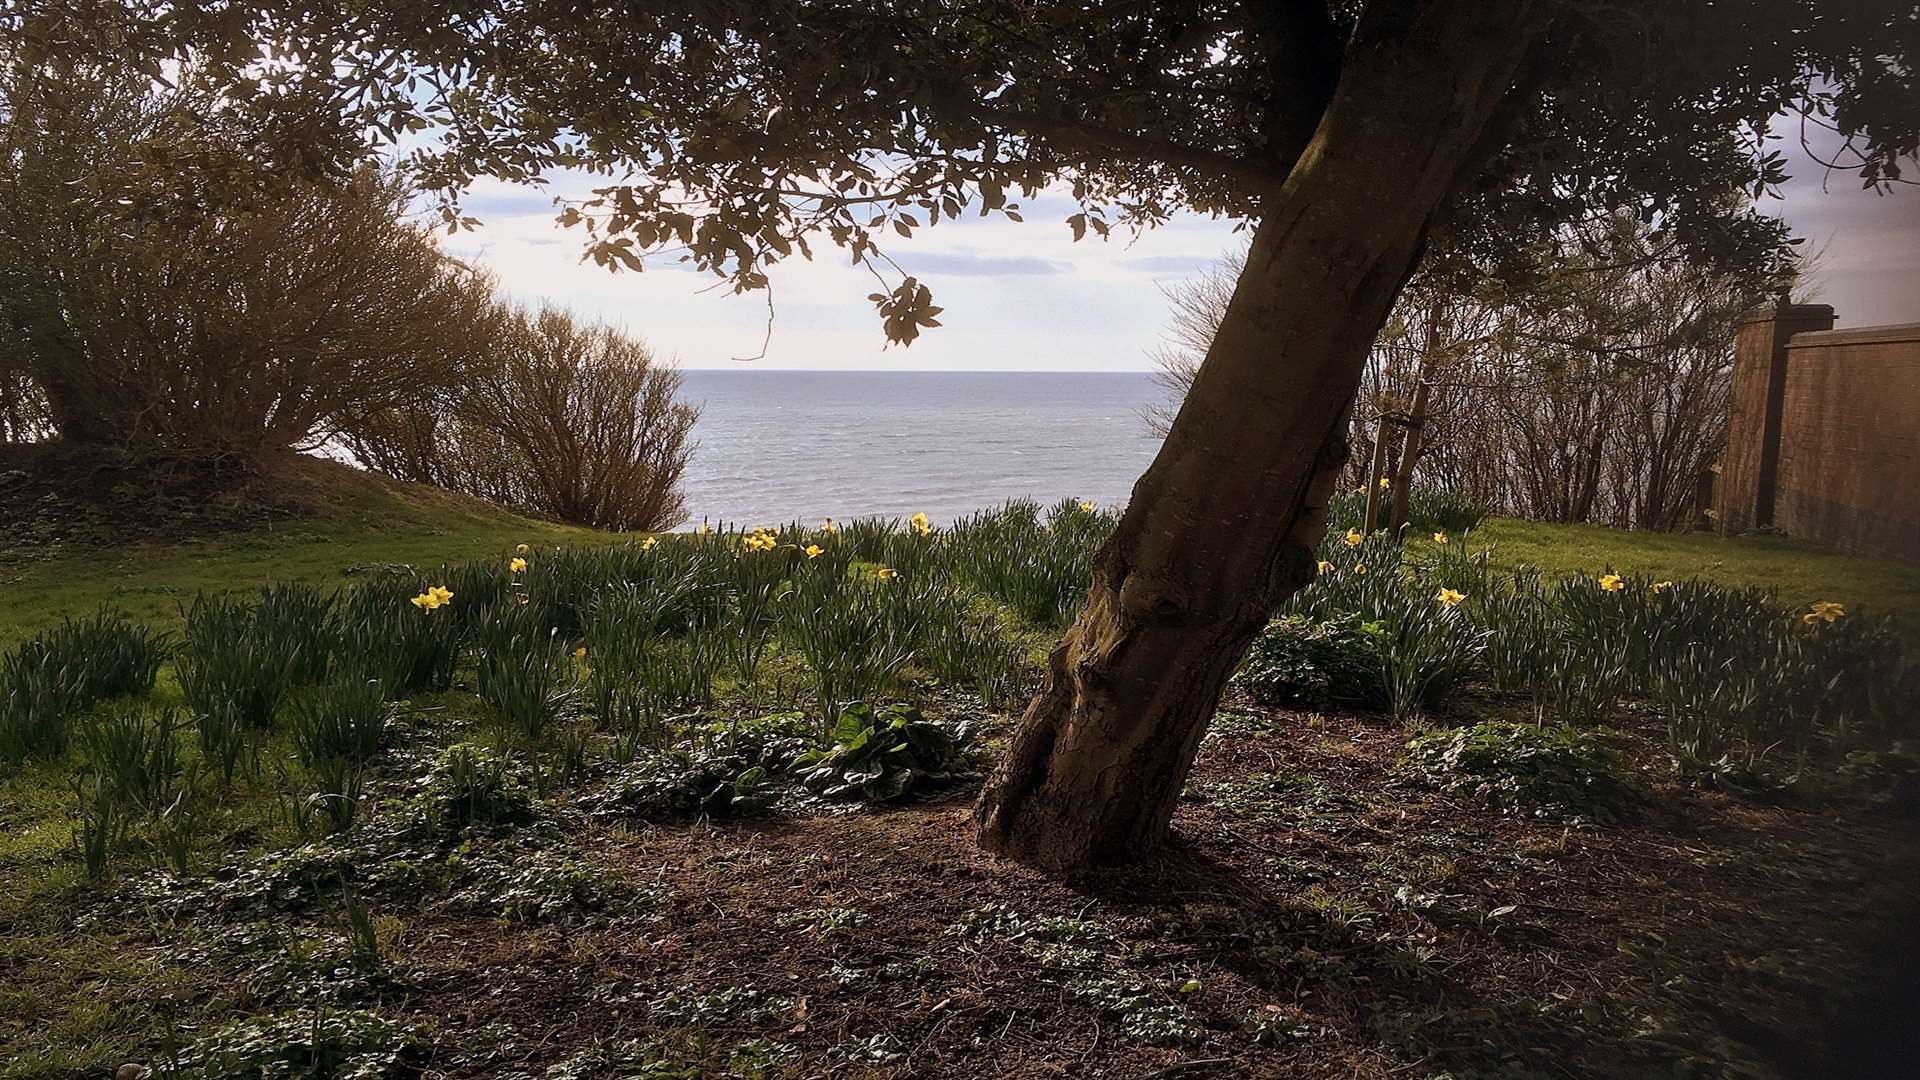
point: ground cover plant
(440, 773)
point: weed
(1545, 771)
(302, 1043)
(883, 755)
(346, 719)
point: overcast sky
(1026, 297)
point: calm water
(784, 445)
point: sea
(778, 446)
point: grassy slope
(362, 522)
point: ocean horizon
(777, 446)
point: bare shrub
(1594, 390)
(159, 292)
(565, 419)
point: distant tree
(1350, 135)
(156, 294)
(561, 419)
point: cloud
(1169, 264)
(969, 264)
(1869, 243)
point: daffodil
(920, 524)
(1660, 586)
(580, 653)
(1439, 538)
(517, 565)
(435, 597)
(885, 573)
(828, 526)
(1612, 582)
(1354, 538)
(648, 543)
(520, 549)
(705, 529)
(1324, 567)
(1451, 597)
(1385, 483)
(1823, 611)
(813, 551)
(1087, 507)
(1359, 568)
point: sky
(1027, 297)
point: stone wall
(1824, 437)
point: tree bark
(1224, 525)
(1410, 448)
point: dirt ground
(1327, 920)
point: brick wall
(1824, 436)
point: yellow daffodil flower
(1324, 567)
(1354, 538)
(920, 524)
(1823, 611)
(517, 565)
(520, 549)
(828, 526)
(1439, 538)
(1451, 597)
(1660, 586)
(435, 597)
(648, 543)
(885, 573)
(1087, 507)
(1360, 568)
(705, 529)
(813, 551)
(1385, 483)
(580, 653)
(1612, 582)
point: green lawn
(1801, 572)
(380, 526)
(376, 527)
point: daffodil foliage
(734, 134)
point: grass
(483, 844)
(368, 525)
(1802, 572)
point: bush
(524, 668)
(1522, 768)
(562, 419)
(138, 757)
(1040, 568)
(48, 681)
(183, 298)
(233, 659)
(342, 720)
(1300, 662)
(884, 755)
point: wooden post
(1750, 470)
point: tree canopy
(737, 133)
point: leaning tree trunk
(1223, 526)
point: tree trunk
(1409, 452)
(1224, 525)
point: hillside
(84, 533)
